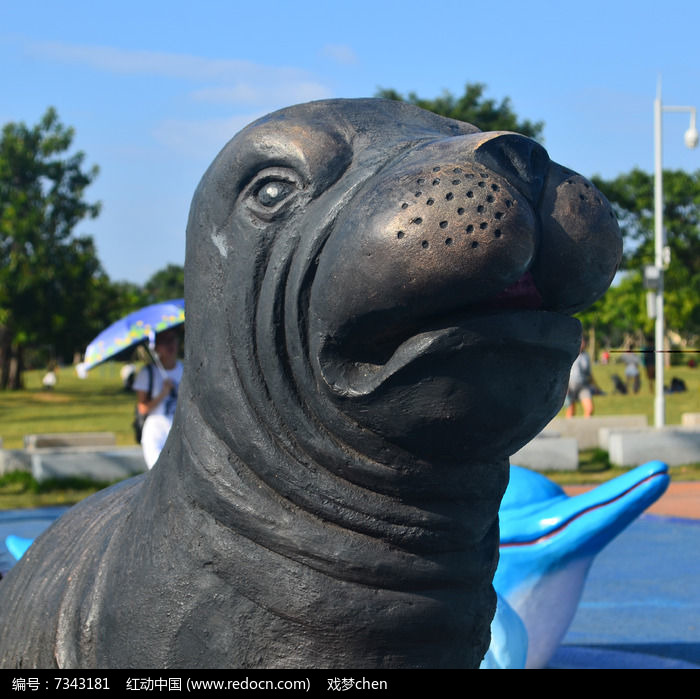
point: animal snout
(522, 161)
(432, 234)
(466, 199)
(453, 206)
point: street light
(661, 251)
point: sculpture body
(378, 314)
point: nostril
(522, 161)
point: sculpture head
(408, 279)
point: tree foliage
(623, 308)
(473, 107)
(48, 276)
(167, 283)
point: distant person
(580, 385)
(649, 364)
(49, 380)
(157, 395)
(632, 376)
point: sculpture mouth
(512, 321)
(522, 294)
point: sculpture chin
(478, 387)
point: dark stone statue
(379, 308)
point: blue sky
(154, 89)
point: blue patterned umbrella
(136, 328)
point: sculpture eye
(272, 191)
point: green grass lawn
(96, 404)
(99, 404)
(642, 403)
(19, 490)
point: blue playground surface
(640, 606)
(641, 603)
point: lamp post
(661, 251)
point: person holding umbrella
(156, 385)
(156, 389)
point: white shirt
(167, 405)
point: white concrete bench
(98, 464)
(92, 455)
(69, 439)
(586, 430)
(690, 420)
(673, 445)
(548, 453)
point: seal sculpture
(379, 308)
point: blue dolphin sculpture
(548, 542)
(17, 545)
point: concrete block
(605, 432)
(96, 464)
(585, 430)
(14, 460)
(69, 439)
(548, 453)
(673, 445)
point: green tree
(473, 107)
(623, 308)
(124, 297)
(48, 276)
(167, 283)
(620, 314)
(633, 196)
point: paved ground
(641, 603)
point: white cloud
(340, 53)
(275, 93)
(116, 60)
(246, 89)
(234, 81)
